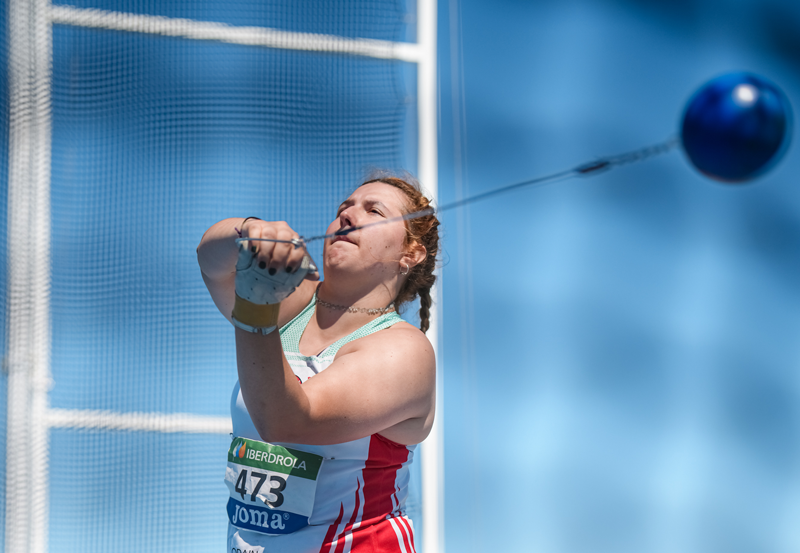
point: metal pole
(28, 346)
(432, 448)
(39, 279)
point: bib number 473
(241, 486)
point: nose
(346, 218)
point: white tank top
(362, 485)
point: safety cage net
(128, 128)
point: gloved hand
(259, 293)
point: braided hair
(424, 231)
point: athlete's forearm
(217, 251)
(275, 400)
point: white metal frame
(28, 349)
(432, 457)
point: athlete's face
(379, 249)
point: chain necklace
(351, 309)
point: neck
(328, 325)
(346, 306)
(360, 290)
(376, 298)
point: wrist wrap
(253, 317)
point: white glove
(258, 294)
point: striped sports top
(362, 485)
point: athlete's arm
(383, 383)
(217, 254)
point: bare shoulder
(296, 302)
(397, 366)
(401, 343)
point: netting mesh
(148, 155)
(136, 491)
(153, 140)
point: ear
(415, 255)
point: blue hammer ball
(736, 127)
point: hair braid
(425, 232)
(424, 309)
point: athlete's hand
(268, 272)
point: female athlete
(328, 410)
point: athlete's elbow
(281, 419)
(280, 430)
(268, 432)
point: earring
(406, 271)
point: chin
(337, 261)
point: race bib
(271, 487)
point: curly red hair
(421, 230)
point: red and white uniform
(361, 487)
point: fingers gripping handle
(256, 285)
(258, 293)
